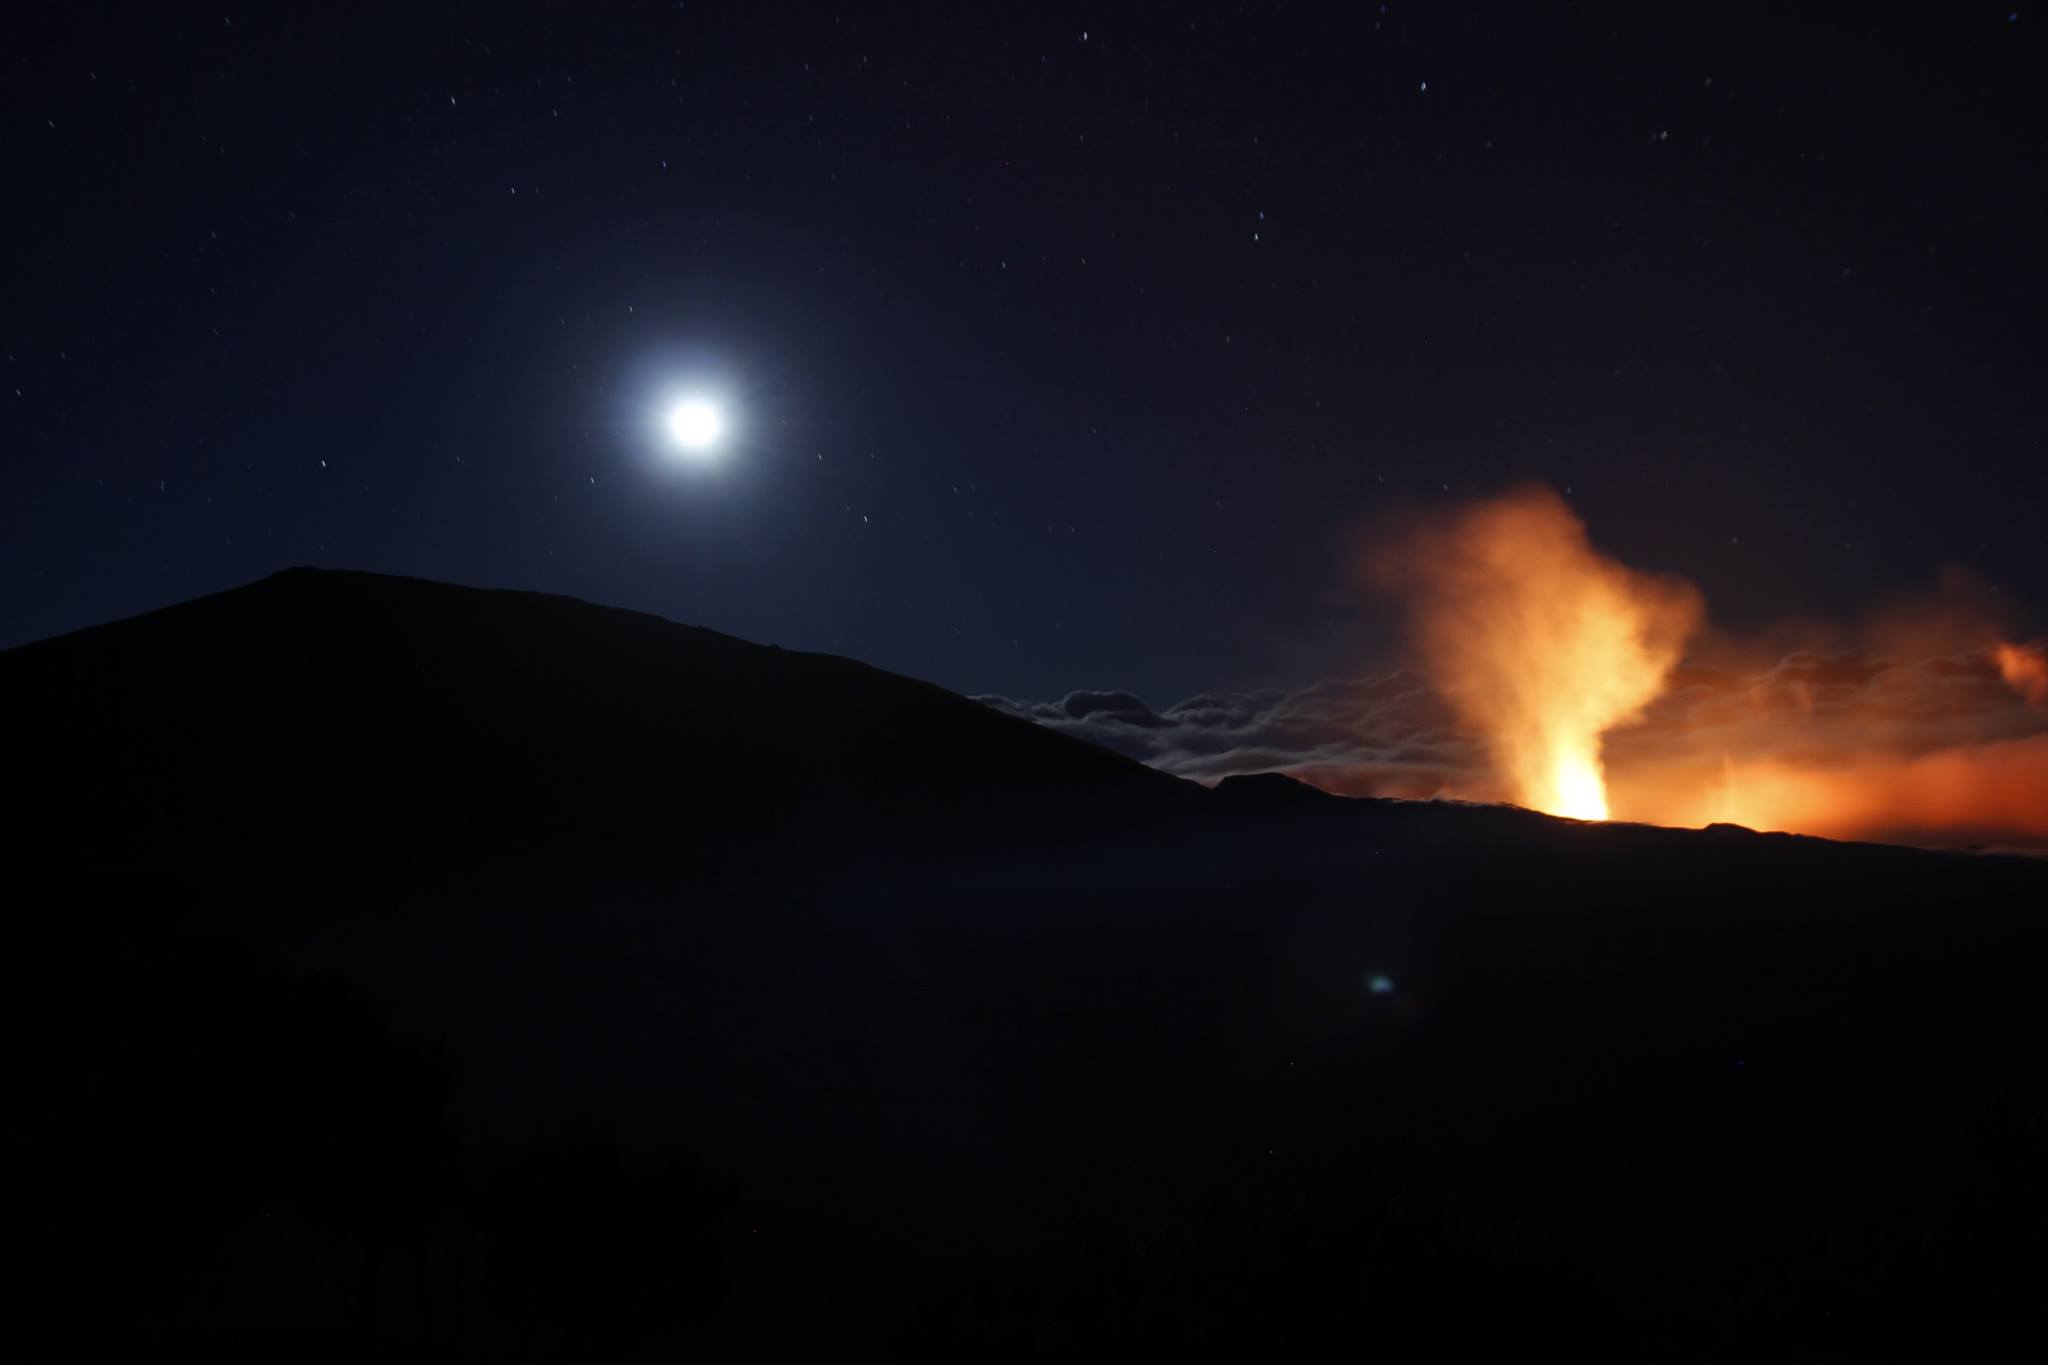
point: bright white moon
(695, 425)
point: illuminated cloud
(1931, 748)
(1555, 677)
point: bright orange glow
(1920, 725)
(1923, 744)
(2025, 670)
(1539, 642)
(1984, 793)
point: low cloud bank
(1388, 735)
(1932, 743)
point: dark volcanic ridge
(320, 711)
(419, 970)
(317, 712)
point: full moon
(695, 425)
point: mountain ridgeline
(370, 721)
(425, 972)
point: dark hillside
(318, 715)
(408, 970)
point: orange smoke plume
(1538, 642)
(1562, 672)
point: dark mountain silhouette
(410, 970)
(315, 714)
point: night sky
(1065, 347)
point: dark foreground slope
(410, 971)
